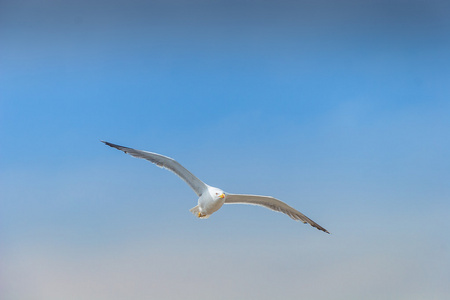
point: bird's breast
(209, 205)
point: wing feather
(168, 163)
(273, 204)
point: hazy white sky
(339, 109)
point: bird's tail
(196, 212)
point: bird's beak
(222, 196)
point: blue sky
(339, 109)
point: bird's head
(217, 193)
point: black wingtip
(320, 228)
(324, 230)
(109, 144)
(118, 147)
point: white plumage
(210, 198)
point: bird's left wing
(166, 162)
(273, 204)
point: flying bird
(212, 198)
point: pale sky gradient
(341, 109)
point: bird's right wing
(273, 204)
(168, 163)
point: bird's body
(209, 202)
(211, 198)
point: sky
(339, 108)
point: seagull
(212, 198)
